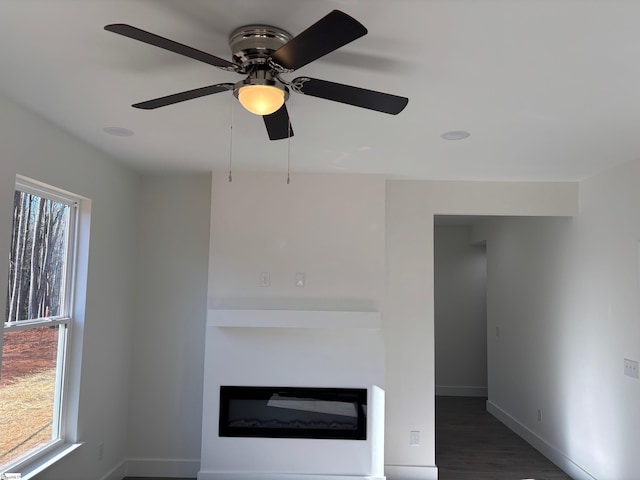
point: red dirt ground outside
(28, 351)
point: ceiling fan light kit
(262, 96)
(263, 53)
(261, 93)
(260, 99)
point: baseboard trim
(162, 467)
(116, 473)
(156, 467)
(279, 476)
(570, 467)
(461, 391)
(410, 472)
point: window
(38, 324)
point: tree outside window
(37, 323)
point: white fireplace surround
(334, 349)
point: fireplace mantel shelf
(293, 319)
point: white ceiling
(549, 89)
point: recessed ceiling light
(118, 131)
(455, 135)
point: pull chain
(231, 140)
(288, 149)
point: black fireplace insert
(292, 412)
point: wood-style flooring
(471, 444)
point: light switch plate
(631, 368)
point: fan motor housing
(253, 44)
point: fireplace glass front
(291, 412)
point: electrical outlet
(631, 368)
(414, 438)
(539, 415)
(300, 279)
(265, 279)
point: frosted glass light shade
(261, 99)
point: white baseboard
(162, 467)
(155, 467)
(460, 391)
(116, 473)
(279, 476)
(408, 472)
(571, 468)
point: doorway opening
(470, 441)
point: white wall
(334, 228)
(34, 148)
(168, 332)
(460, 313)
(331, 227)
(565, 295)
(408, 315)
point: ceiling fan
(263, 53)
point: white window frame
(70, 337)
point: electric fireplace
(292, 412)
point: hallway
(471, 444)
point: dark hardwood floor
(471, 444)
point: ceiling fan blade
(326, 35)
(179, 48)
(278, 124)
(359, 97)
(181, 97)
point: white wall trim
(293, 319)
(162, 467)
(116, 473)
(410, 472)
(279, 476)
(461, 391)
(572, 469)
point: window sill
(38, 465)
